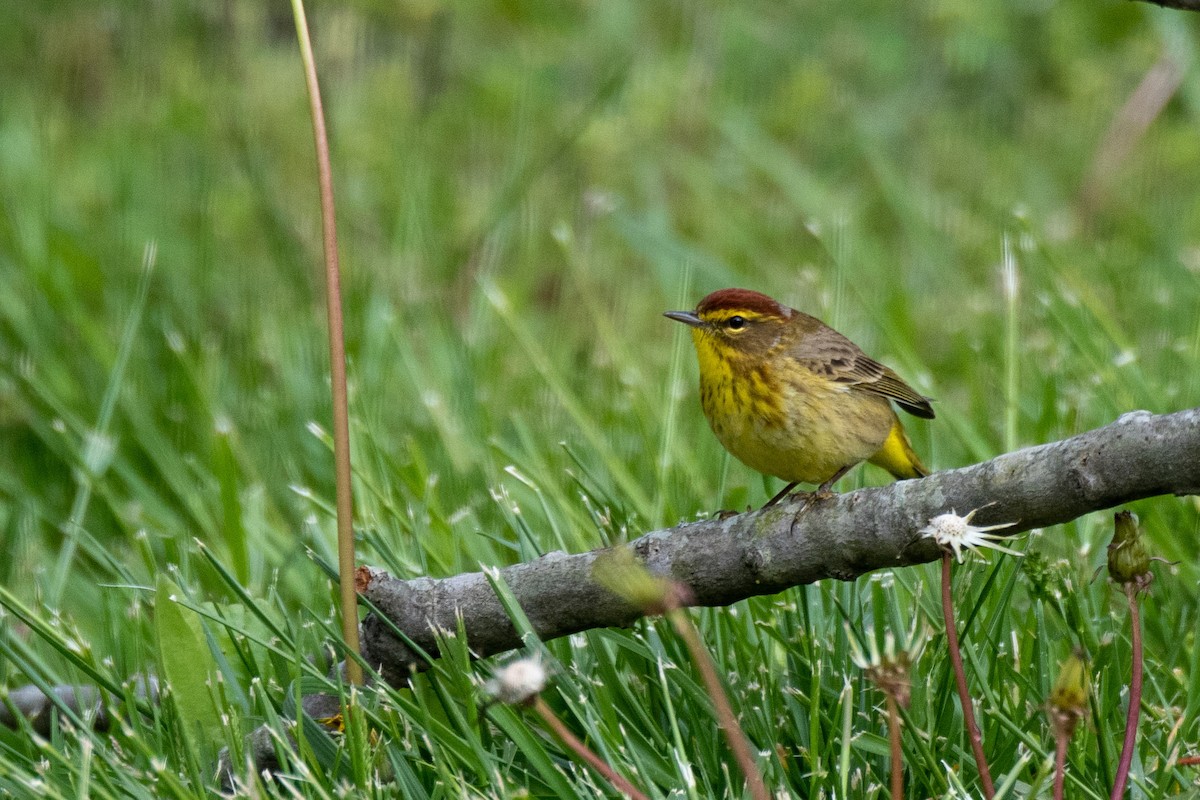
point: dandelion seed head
(954, 533)
(517, 681)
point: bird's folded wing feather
(831, 355)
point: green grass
(523, 188)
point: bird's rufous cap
(742, 300)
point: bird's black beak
(686, 317)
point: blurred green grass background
(522, 188)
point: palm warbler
(792, 397)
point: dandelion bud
(891, 669)
(1128, 561)
(1068, 699)
(893, 678)
(1071, 688)
(623, 574)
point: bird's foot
(813, 499)
(810, 499)
(823, 493)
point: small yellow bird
(791, 397)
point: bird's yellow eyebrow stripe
(725, 314)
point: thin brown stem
(897, 754)
(1061, 740)
(1135, 696)
(580, 749)
(1144, 105)
(725, 716)
(960, 680)
(337, 354)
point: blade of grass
(95, 462)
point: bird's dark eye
(736, 323)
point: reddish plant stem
(1135, 696)
(337, 355)
(897, 755)
(725, 716)
(960, 679)
(1061, 740)
(580, 749)
(1189, 761)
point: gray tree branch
(87, 702)
(763, 552)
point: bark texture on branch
(763, 552)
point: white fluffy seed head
(954, 533)
(518, 681)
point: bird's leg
(782, 494)
(825, 490)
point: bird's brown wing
(831, 355)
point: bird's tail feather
(898, 457)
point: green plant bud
(1070, 691)
(623, 574)
(1128, 561)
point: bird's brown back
(829, 354)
